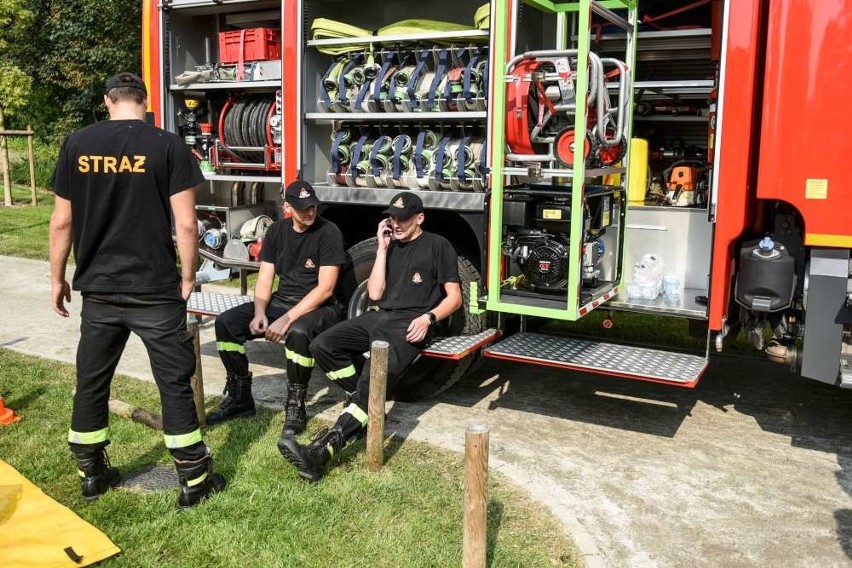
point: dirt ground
(751, 468)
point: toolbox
(251, 44)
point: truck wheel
(428, 376)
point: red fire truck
(647, 156)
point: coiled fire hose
(244, 124)
(324, 28)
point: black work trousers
(232, 332)
(160, 321)
(336, 348)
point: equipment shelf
(211, 176)
(394, 116)
(561, 173)
(449, 200)
(685, 305)
(666, 118)
(241, 85)
(200, 7)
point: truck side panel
(734, 147)
(152, 71)
(804, 152)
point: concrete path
(751, 468)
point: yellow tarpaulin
(35, 530)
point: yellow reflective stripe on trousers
(357, 413)
(174, 441)
(95, 437)
(228, 346)
(197, 480)
(343, 373)
(300, 360)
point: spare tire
(428, 376)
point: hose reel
(250, 133)
(542, 104)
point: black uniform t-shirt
(298, 256)
(416, 271)
(119, 175)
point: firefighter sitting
(415, 281)
(306, 253)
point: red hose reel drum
(518, 108)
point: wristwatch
(433, 319)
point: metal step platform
(207, 304)
(456, 347)
(599, 357)
(459, 346)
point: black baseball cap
(125, 81)
(300, 195)
(405, 205)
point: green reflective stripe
(197, 480)
(182, 440)
(228, 346)
(330, 451)
(88, 437)
(343, 373)
(81, 473)
(300, 360)
(357, 413)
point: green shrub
(45, 159)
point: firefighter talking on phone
(415, 282)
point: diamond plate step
(209, 304)
(459, 346)
(600, 357)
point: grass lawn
(408, 514)
(23, 228)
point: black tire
(428, 376)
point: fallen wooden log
(140, 415)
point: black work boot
(238, 403)
(310, 460)
(197, 481)
(295, 416)
(96, 475)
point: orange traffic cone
(6, 414)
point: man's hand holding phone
(384, 233)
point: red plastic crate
(258, 44)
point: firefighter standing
(306, 252)
(415, 281)
(117, 185)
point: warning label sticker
(816, 189)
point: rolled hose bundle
(407, 143)
(482, 17)
(324, 28)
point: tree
(15, 84)
(74, 46)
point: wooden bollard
(197, 380)
(31, 159)
(475, 495)
(376, 406)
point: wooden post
(475, 495)
(376, 407)
(4, 162)
(31, 152)
(197, 380)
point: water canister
(767, 276)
